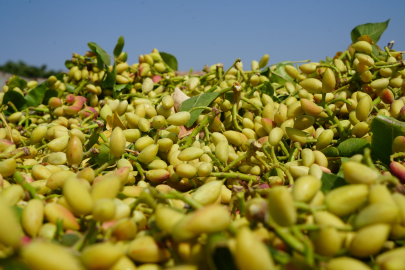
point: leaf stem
(21, 181)
(200, 107)
(234, 117)
(343, 55)
(275, 161)
(91, 116)
(215, 160)
(389, 66)
(7, 126)
(294, 62)
(375, 58)
(331, 67)
(253, 104)
(233, 163)
(11, 104)
(309, 250)
(341, 100)
(206, 120)
(335, 121)
(90, 127)
(283, 148)
(240, 176)
(27, 114)
(240, 196)
(214, 87)
(180, 196)
(101, 168)
(287, 238)
(137, 165)
(80, 87)
(293, 152)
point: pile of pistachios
(117, 166)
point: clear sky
(196, 32)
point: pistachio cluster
(135, 167)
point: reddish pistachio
(85, 112)
(70, 98)
(4, 144)
(387, 96)
(54, 211)
(398, 170)
(74, 151)
(122, 173)
(402, 112)
(324, 169)
(76, 106)
(54, 102)
(267, 124)
(26, 177)
(263, 140)
(143, 70)
(156, 79)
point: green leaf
(170, 60)
(265, 72)
(218, 256)
(70, 87)
(376, 52)
(331, 181)
(229, 96)
(374, 30)
(330, 152)
(13, 263)
(91, 233)
(120, 87)
(384, 130)
(101, 54)
(342, 160)
(16, 98)
(280, 70)
(120, 45)
(48, 94)
(103, 156)
(69, 239)
(329, 60)
(69, 64)
(281, 98)
(60, 76)
(268, 89)
(279, 256)
(15, 81)
(223, 259)
(93, 138)
(353, 146)
(197, 101)
(108, 81)
(36, 95)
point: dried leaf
(179, 97)
(185, 131)
(337, 55)
(107, 134)
(109, 122)
(365, 38)
(117, 121)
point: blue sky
(196, 32)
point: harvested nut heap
(112, 166)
